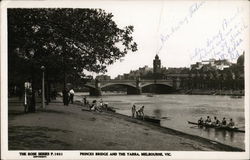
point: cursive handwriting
(164, 37)
(225, 43)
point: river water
(175, 110)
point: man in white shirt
(71, 95)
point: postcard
(125, 79)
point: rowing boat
(150, 119)
(235, 129)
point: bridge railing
(157, 80)
(124, 81)
(116, 81)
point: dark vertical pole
(64, 81)
(43, 89)
(64, 73)
(49, 91)
(32, 107)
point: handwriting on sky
(225, 43)
(167, 34)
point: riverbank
(233, 93)
(69, 128)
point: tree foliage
(67, 39)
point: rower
(231, 123)
(200, 121)
(208, 120)
(216, 121)
(224, 122)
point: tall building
(217, 64)
(157, 64)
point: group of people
(137, 113)
(95, 105)
(216, 122)
(68, 96)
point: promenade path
(61, 127)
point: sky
(181, 32)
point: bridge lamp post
(75, 79)
(43, 88)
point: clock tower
(157, 64)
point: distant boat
(150, 95)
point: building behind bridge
(207, 74)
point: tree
(66, 40)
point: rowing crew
(216, 122)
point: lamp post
(75, 77)
(32, 106)
(43, 90)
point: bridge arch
(121, 84)
(130, 88)
(148, 84)
(159, 88)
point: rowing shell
(150, 119)
(218, 127)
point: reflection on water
(216, 134)
(157, 113)
(175, 110)
(231, 134)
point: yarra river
(175, 110)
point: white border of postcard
(6, 154)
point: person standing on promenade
(84, 100)
(133, 111)
(65, 97)
(71, 95)
(27, 99)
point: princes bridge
(133, 86)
